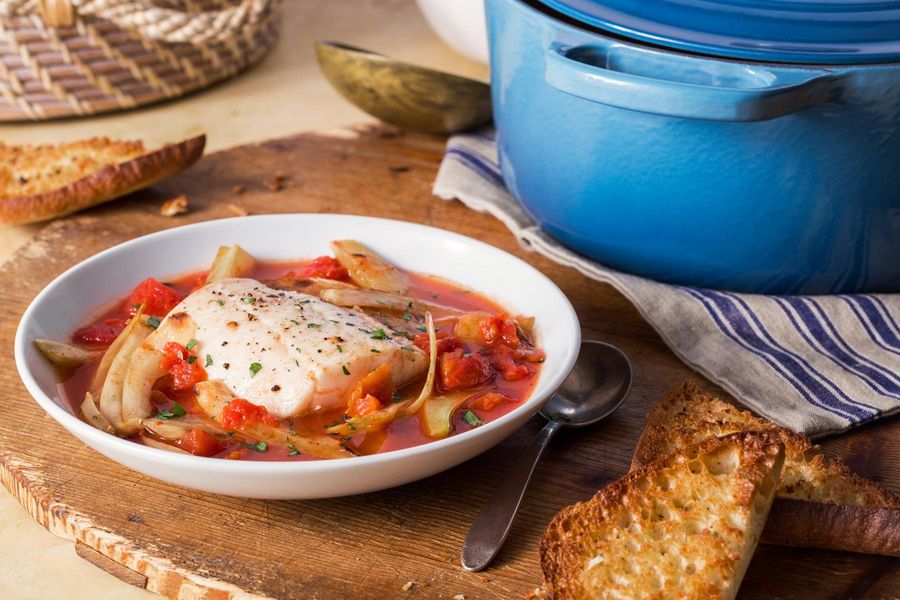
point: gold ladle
(405, 95)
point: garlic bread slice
(683, 526)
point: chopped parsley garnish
(255, 368)
(406, 316)
(472, 419)
(177, 411)
(375, 350)
(340, 348)
(153, 322)
(351, 426)
(248, 300)
(299, 351)
(396, 397)
(379, 334)
(293, 451)
(341, 419)
(296, 362)
(345, 369)
(259, 446)
(191, 360)
(191, 343)
(208, 361)
(220, 302)
(135, 306)
(291, 423)
(313, 325)
(295, 322)
(422, 328)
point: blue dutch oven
(752, 146)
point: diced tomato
(200, 443)
(364, 406)
(173, 352)
(101, 333)
(445, 342)
(459, 372)
(240, 413)
(158, 299)
(489, 401)
(184, 367)
(499, 330)
(379, 384)
(325, 267)
(185, 374)
(503, 358)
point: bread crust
(581, 532)
(103, 185)
(820, 503)
(833, 527)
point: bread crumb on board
(408, 586)
(175, 206)
(459, 597)
(239, 189)
(237, 210)
(277, 183)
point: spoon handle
(492, 525)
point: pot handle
(649, 94)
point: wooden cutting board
(186, 544)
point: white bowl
(74, 297)
(461, 24)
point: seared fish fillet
(291, 352)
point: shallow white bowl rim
(232, 467)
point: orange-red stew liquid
(512, 378)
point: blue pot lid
(795, 31)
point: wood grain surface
(186, 544)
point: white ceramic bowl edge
(112, 273)
(460, 24)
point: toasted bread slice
(819, 502)
(683, 526)
(46, 181)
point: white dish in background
(461, 24)
(113, 273)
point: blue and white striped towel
(816, 364)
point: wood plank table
(186, 544)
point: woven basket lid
(62, 58)
(794, 31)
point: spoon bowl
(596, 386)
(402, 94)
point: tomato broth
(401, 433)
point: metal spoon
(593, 390)
(402, 94)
